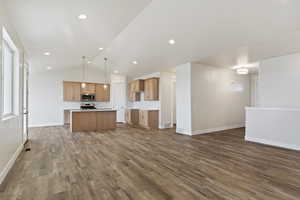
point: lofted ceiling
(53, 26)
(220, 33)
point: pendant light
(83, 84)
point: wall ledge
(271, 109)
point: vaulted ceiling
(222, 33)
(53, 26)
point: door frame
(25, 94)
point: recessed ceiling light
(82, 16)
(135, 62)
(242, 71)
(101, 48)
(49, 68)
(47, 53)
(116, 71)
(172, 41)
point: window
(10, 77)
(8, 56)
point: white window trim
(15, 113)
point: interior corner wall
(279, 82)
(183, 99)
(219, 97)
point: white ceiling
(221, 33)
(53, 26)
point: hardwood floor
(132, 163)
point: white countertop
(93, 110)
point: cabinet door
(151, 89)
(127, 116)
(153, 119)
(71, 91)
(134, 116)
(132, 95)
(89, 89)
(76, 92)
(68, 90)
(102, 93)
(143, 118)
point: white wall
(118, 95)
(11, 129)
(46, 103)
(254, 78)
(274, 126)
(279, 83)
(210, 99)
(275, 121)
(219, 98)
(183, 99)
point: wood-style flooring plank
(137, 164)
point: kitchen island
(92, 120)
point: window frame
(5, 115)
(8, 43)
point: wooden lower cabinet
(84, 121)
(132, 116)
(66, 117)
(106, 120)
(148, 119)
(93, 121)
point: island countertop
(93, 110)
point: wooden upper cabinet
(137, 85)
(151, 89)
(102, 93)
(89, 89)
(71, 91)
(132, 95)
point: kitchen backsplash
(144, 105)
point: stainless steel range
(87, 106)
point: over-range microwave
(88, 97)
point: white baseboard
(183, 131)
(210, 130)
(10, 163)
(164, 126)
(273, 143)
(44, 125)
